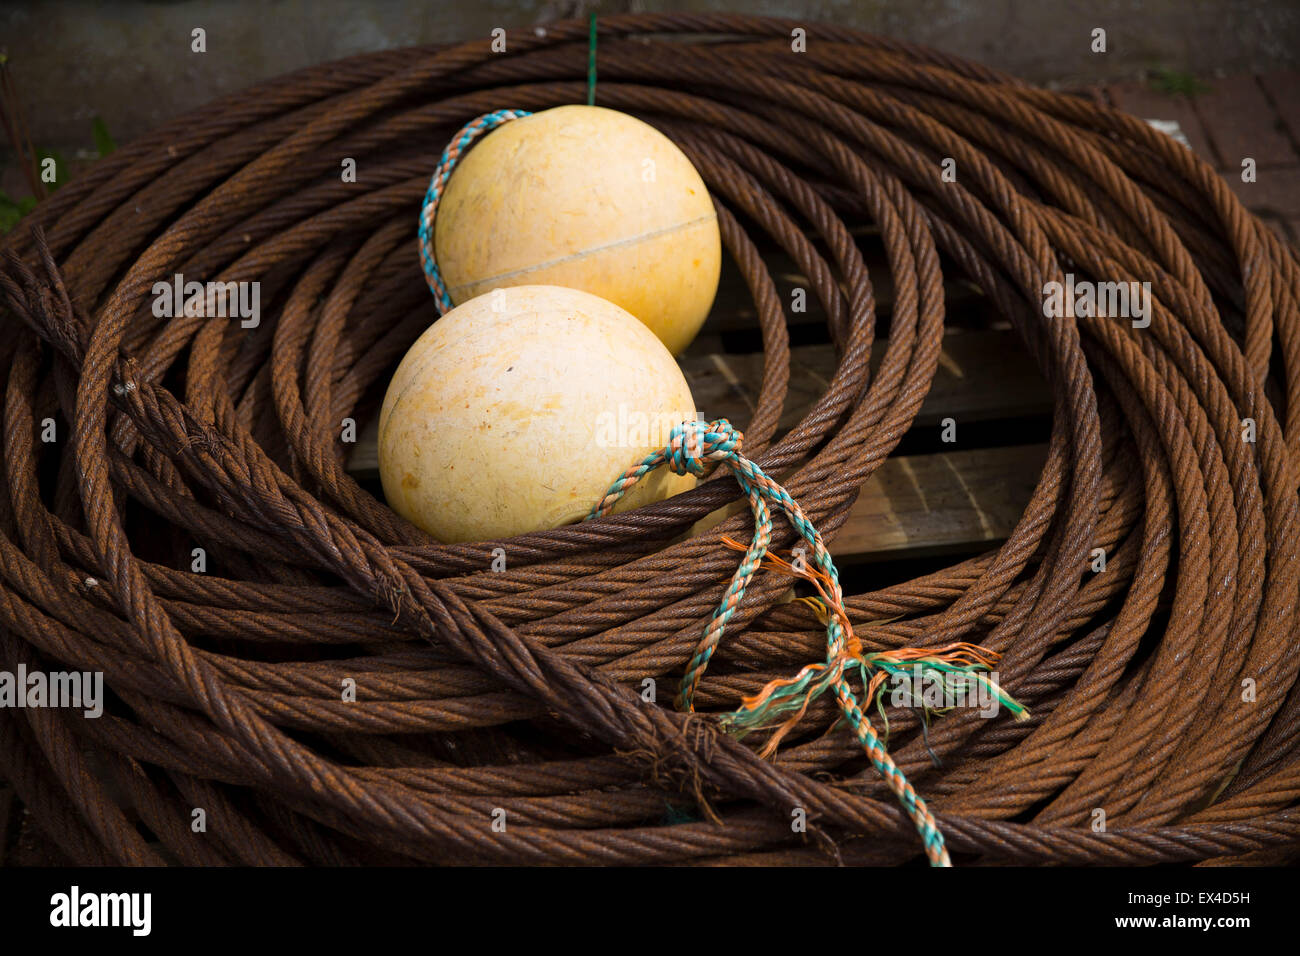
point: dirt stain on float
(410, 481)
(516, 413)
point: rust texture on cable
(1163, 691)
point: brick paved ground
(1237, 117)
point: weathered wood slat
(914, 505)
(733, 310)
(981, 376)
(920, 505)
(917, 506)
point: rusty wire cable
(1163, 691)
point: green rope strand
(591, 62)
(694, 448)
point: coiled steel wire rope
(520, 690)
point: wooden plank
(733, 308)
(946, 503)
(921, 505)
(917, 506)
(982, 376)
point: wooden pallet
(944, 500)
(926, 506)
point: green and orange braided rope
(695, 448)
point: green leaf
(11, 211)
(1174, 82)
(103, 141)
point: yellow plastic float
(588, 198)
(514, 412)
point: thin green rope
(695, 447)
(591, 63)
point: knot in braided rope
(696, 447)
(692, 448)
